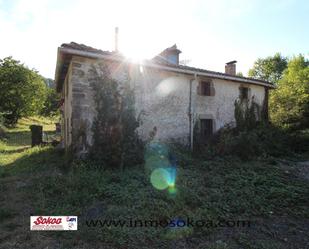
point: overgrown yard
(271, 193)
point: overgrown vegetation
(247, 114)
(253, 137)
(114, 128)
(289, 103)
(289, 107)
(263, 141)
(261, 191)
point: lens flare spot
(172, 189)
(155, 162)
(166, 86)
(141, 69)
(159, 178)
(171, 176)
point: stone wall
(83, 106)
(221, 106)
(162, 101)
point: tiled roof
(162, 61)
(213, 72)
(157, 60)
(82, 47)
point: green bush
(263, 141)
(253, 137)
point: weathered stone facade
(167, 102)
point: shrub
(253, 137)
(263, 141)
(247, 114)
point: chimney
(171, 55)
(116, 39)
(230, 68)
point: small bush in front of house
(253, 137)
(247, 114)
(262, 141)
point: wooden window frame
(206, 88)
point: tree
(51, 103)
(269, 69)
(23, 90)
(289, 104)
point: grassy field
(271, 193)
(19, 138)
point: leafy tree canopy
(23, 90)
(289, 103)
(51, 103)
(269, 68)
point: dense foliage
(51, 102)
(22, 90)
(269, 69)
(289, 103)
(264, 141)
(116, 141)
(252, 137)
(247, 114)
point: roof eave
(57, 71)
(62, 65)
(93, 55)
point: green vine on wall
(247, 114)
(115, 139)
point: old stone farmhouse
(173, 98)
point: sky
(208, 32)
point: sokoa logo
(56, 223)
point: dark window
(205, 88)
(243, 92)
(206, 128)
